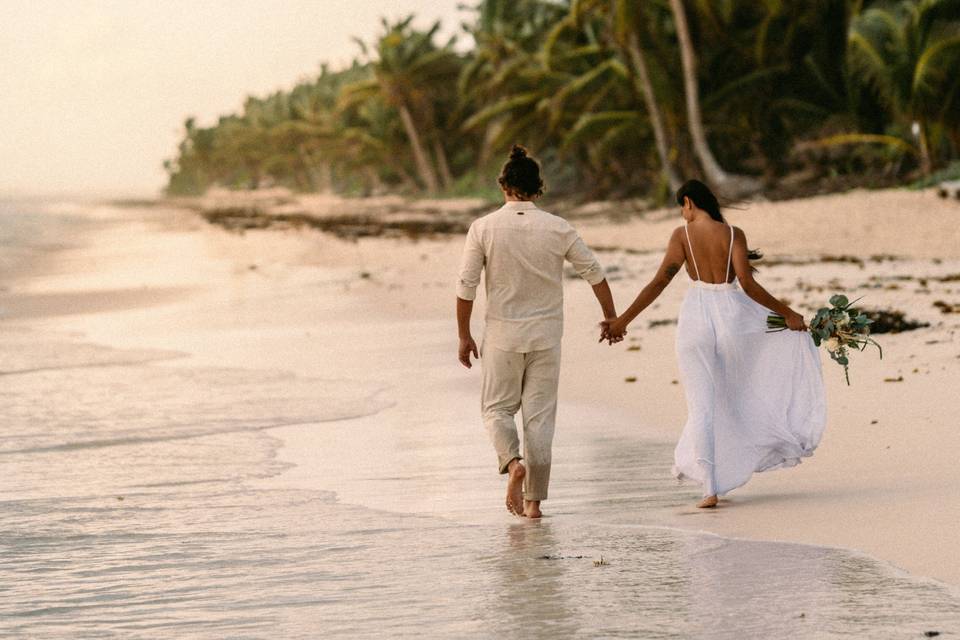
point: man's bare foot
(707, 503)
(531, 509)
(516, 472)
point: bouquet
(839, 327)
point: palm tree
(190, 171)
(504, 87)
(768, 74)
(549, 75)
(410, 72)
(908, 53)
(732, 184)
(626, 35)
(609, 94)
(315, 130)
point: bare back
(708, 251)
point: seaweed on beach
(653, 324)
(843, 259)
(238, 218)
(349, 226)
(829, 259)
(135, 203)
(605, 248)
(883, 321)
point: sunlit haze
(93, 94)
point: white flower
(832, 344)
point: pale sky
(93, 93)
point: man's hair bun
(520, 175)
(518, 152)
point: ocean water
(142, 496)
(31, 231)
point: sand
(883, 481)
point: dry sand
(884, 480)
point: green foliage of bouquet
(839, 327)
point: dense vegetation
(617, 97)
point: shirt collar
(524, 205)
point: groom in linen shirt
(523, 249)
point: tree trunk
(326, 177)
(733, 185)
(486, 151)
(407, 180)
(926, 162)
(653, 111)
(954, 134)
(419, 155)
(374, 184)
(318, 172)
(445, 176)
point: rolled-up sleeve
(584, 262)
(471, 264)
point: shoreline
(295, 442)
(815, 503)
(880, 483)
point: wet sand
(411, 473)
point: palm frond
(716, 98)
(498, 108)
(937, 60)
(582, 83)
(595, 124)
(866, 138)
(865, 58)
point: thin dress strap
(726, 278)
(686, 232)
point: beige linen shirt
(522, 249)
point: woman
(755, 400)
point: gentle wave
(300, 565)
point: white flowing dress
(755, 400)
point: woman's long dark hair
(703, 198)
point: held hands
(612, 330)
(467, 346)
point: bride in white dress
(755, 400)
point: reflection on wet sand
(530, 585)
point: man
(523, 249)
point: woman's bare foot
(531, 509)
(515, 474)
(707, 503)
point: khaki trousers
(524, 382)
